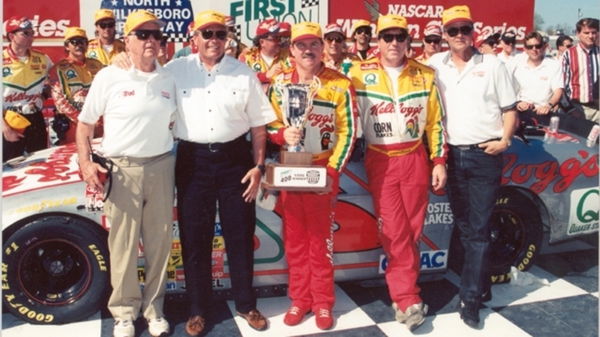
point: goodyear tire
(515, 236)
(55, 270)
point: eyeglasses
(104, 25)
(388, 38)
(78, 42)
(431, 39)
(219, 34)
(536, 46)
(464, 30)
(337, 39)
(144, 34)
(363, 30)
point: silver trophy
(297, 102)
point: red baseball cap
(15, 23)
(268, 26)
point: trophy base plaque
(295, 158)
(307, 178)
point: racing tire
(515, 236)
(55, 270)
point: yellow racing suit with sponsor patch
(24, 81)
(96, 51)
(254, 60)
(394, 123)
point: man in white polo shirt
(137, 105)
(220, 100)
(481, 120)
(538, 79)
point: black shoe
(486, 296)
(469, 313)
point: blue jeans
(473, 183)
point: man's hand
(121, 60)
(11, 135)
(542, 109)
(89, 172)
(524, 106)
(275, 70)
(253, 175)
(494, 147)
(438, 177)
(292, 135)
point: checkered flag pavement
(309, 3)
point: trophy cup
(295, 171)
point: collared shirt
(330, 128)
(24, 81)
(70, 81)
(536, 84)
(96, 51)
(581, 74)
(219, 105)
(396, 112)
(475, 97)
(137, 108)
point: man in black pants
(219, 100)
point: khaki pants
(140, 205)
(591, 114)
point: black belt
(472, 146)
(216, 147)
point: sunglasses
(388, 38)
(144, 34)
(435, 40)
(219, 34)
(464, 30)
(78, 42)
(363, 30)
(105, 25)
(337, 39)
(536, 46)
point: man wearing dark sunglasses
(220, 101)
(137, 106)
(334, 55)
(399, 105)
(105, 46)
(361, 35)
(70, 81)
(432, 42)
(538, 79)
(25, 73)
(266, 57)
(480, 122)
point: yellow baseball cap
(359, 23)
(391, 21)
(305, 30)
(72, 32)
(456, 13)
(102, 14)
(138, 18)
(16, 121)
(207, 18)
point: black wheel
(55, 270)
(515, 236)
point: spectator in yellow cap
(399, 106)
(361, 35)
(480, 121)
(306, 215)
(25, 74)
(70, 80)
(137, 106)
(105, 46)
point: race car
(55, 261)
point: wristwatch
(261, 168)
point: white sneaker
(414, 315)
(158, 326)
(124, 328)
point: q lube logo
(583, 216)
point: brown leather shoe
(255, 319)
(194, 325)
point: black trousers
(35, 138)
(204, 177)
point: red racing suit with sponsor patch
(394, 124)
(255, 61)
(330, 133)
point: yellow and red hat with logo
(103, 14)
(306, 30)
(209, 17)
(391, 21)
(359, 23)
(456, 14)
(138, 18)
(73, 32)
